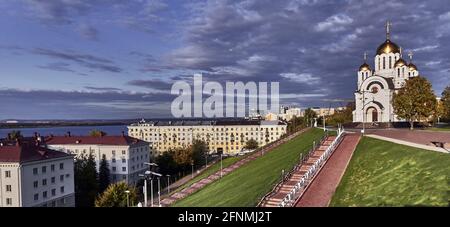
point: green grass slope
(388, 174)
(248, 184)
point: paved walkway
(321, 190)
(217, 175)
(416, 136)
(411, 144)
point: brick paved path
(215, 176)
(415, 136)
(321, 190)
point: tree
(115, 196)
(445, 100)
(166, 163)
(251, 144)
(295, 123)
(103, 175)
(97, 133)
(342, 116)
(198, 151)
(309, 115)
(13, 135)
(86, 181)
(415, 100)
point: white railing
(292, 196)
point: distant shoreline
(60, 124)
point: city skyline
(109, 59)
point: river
(74, 130)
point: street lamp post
(128, 199)
(159, 193)
(220, 165)
(150, 164)
(363, 92)
(168, 184)
(145, 189)
(192, 168)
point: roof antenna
(365, 57)
(401, 52)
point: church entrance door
(374, 115)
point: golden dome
(364, 67)
(412, 67)
(400, 63)
(388, 47)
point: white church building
(376, 86)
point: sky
(113, 59)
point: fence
(300, 187)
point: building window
(44, 169)
(398, 72)
(124, 160)
(9, 201)
(52, 168)
(35, 171)
(124, 169)
(62, 201)
(44, 182)
(35, 184)
(53, 192)
(36, 197)
(53, 180)
(114, 160)
(61, 165)
(384, 62)
(113, 152)
(114, 169)
(61, 178)
(8, 174)
(61, 189)
(390, 62)
(124, 177)
(124, 152)
(44, 194)
(8, 188)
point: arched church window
(398, 72)
(379, 63)
(390, 62)
(403, 71)
(374, 90)
(384, 62)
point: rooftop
(93, 140)
(208, 122)
(27, 151)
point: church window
(384, 62)
(398, 72)
(403, 71)
(374, 90)
(390, 62)
(379, 63)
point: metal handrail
(311, 173)
(295, 168)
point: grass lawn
(248, 184)
(388, 174)
(211, 170)
(441, 129)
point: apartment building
(125, 155)
(32, 175)
(221, 136)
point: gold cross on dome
(388, 29)
(410, 54)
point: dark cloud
(88, 32)
(310, 46)
(17, 104)
(103, 89)
(153, 84)
(85, 60)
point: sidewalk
(321, 190)
(411, 144)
